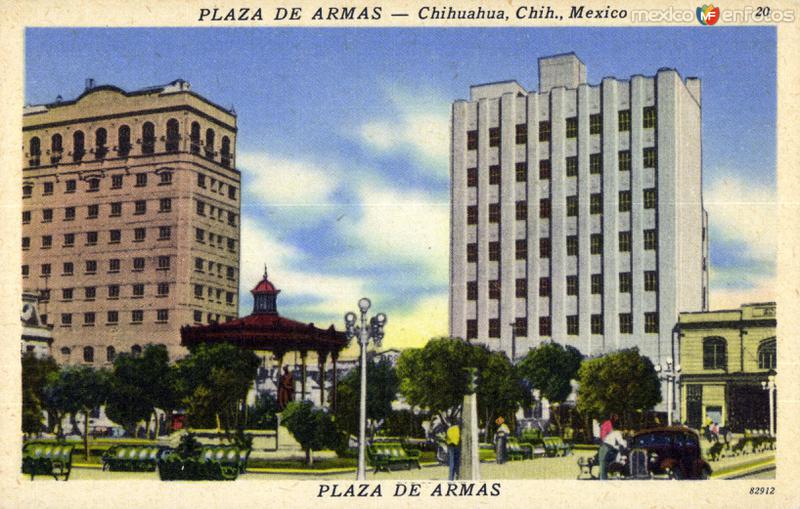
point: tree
(213, 382)
(622, 382)
(500, 389)
(34, 378)
(382, 387)
(550, 367)
(313, 428)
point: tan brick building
(131, 218)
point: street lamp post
(669, 372)
(363, 332)
(770, 386)
(513, 342)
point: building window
(47, 215)
(26, 243)
(596, 243)
(138, 264)
(162, 315)
(521, 210)
(521, 249)
(494, 212)
(209, 147)
(572, 325)
(625, 120)
(47, 241)
(649, 117)
(494, 136)
(94, 185)
(650, 281)
(35, 151)
(27, 191)
(141, 179)
(472, 252)
(572, 205)
(66, 320)
(624, 160)
(113, 292)
(494, 251)
(100, 141)
(767, 354)
(198, 291)
(494, 327)
(200, 208)
(544, 208)
(522, 134)
(597, 324)
(165, 205)
(26, 270)
(231, 219)
(596, 203)
(596, 164)
(521, 288)
(230, 270)
(625, 323)
(139, 234)
(651, 322)
(66, 294)
(544, 131)
(47, 189)
(494, 289)
(111, 352)
(522, 172)
(116, 181)
(88, 351)
(89, 293)
(56, 148)
(544, 169)
(200, 235)
(198, 316)
(163, 262)
(650, 239)
(112, 317)
(232, 192)
(624, 201)
(91, 238)
(194, 138)
(650, 158)
(88, 319)
(472, 177)
(113, 265)
(138, 290)
(70, 186)
(472, 290)
(472, 214)
(201, 180)
(26, 216)
(572, 285)
(140, 207)
(572, 245)
(44, 295)
(624, 242)
(136, 350)
(494, 174)
(225, 152)
(92, 211)
(116, 209)
(164, 233)
(78, 148)
(624, 282)
(544, 248)
(231, 245)
(595, 123)
(148, 138)
(521, 327)
(472, 140)
(124, 141)
(572, 166)
(650, 198)
(115, 236)
(544, 287)
(137, 316)
(69, 239)
(544, 325)
(173, 135)
(572, 127)
(597, 284)
(198, 264)
(163, 289)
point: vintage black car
(672, 452)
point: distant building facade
(131, 218)
(724, 357)
(37, 336)
(577, 212)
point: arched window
(36, 151)
(78, 148)
(148, 138)
(111, 354)
(715, 354)
(225, 151)
(136, 350)
(100, 141)
(88, 354)
(65, 351)
(767, 358)
(173, 135)
(195, 138)
(210, 143)
(56, 148)
(124, 141)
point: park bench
(518, 451)
(214, 463)
(43, 458)
(228, 456)
(385, 455)
(555, 446)
(133, 458)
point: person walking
(453, 440)
(606, 451)
(501, 439)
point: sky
(343, 143)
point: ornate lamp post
(769, 385)
(364, 332)
(669, 372)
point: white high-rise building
(577, 211)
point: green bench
(228, 456)
(518, 451)
(555, 446)
(385, 455)
(43, 458)
(133, 458)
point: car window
(653, 440)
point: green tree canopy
(549, 368)
(382, 388)
(622, 382)
(313, 428)
(34, 378)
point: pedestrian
(501, 439)
(606, 452)
(453, 440)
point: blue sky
(343, 142)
